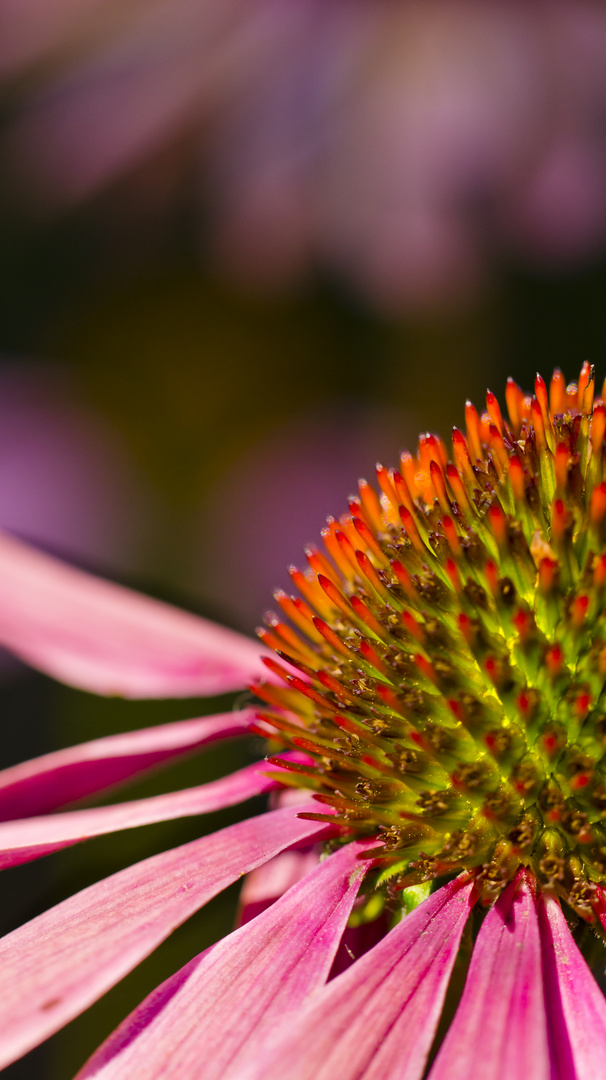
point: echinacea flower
(437, 709)
(402, 145)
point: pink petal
(377, 1020)
(109, 640)
(22, 841)
(576, 1007)
(55, 966)
(501, 1019)
(46, 783)
(225, 1001)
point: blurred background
(247, 248)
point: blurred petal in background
(406, 146)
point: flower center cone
(442, 670)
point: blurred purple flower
(402, 144)
(67, 481)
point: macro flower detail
(451, 681)
(436, 719)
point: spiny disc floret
(442, 669)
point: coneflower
(437, 702)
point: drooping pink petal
(501, 1021)
(46, 783)
(576, 1007)
(109, 640)
(31, 838)
(55, 966)
(225, 1001)
(377, 1020)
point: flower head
(451, 679)
(439, 693)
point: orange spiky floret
(454, 673)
